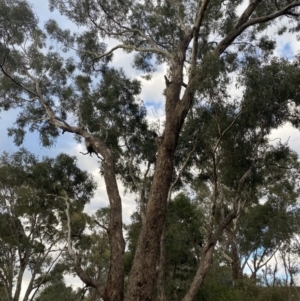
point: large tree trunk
(144, 266)
(143, 271)
(160, 273)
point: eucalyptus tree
(201, 42)
(233, 139)
(32, 218)
(270, 217)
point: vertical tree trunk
(144, 265)
(143, 271)
(114, 290)
(236, 263)
(19, 280)
(160, 273)
(236, 270)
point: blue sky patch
(287, 51)
(154, 104)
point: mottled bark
(160, 273)
(236, 269)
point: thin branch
(75, 257)
(182, 25)
(69, 241)
(100, 225)
(134, 48)
(225, 131)
(6, 73)
(36, 287)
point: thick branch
(243, 24)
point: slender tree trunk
(236, 263)
(19, 281)
(204, 266)
(236, 269)
(114, 290)
(206, 259)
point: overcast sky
(287, 46)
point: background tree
(32, 217)
(57, 290)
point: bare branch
(69, 241)
(36, 287)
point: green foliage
(32, 215)
(57, 290)
(183, 243)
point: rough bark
(143, 271)
(160, 273)
(144, 265)
(114, 290)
